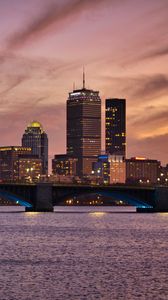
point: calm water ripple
(87, 253)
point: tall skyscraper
(84, 128)
(116, 126)
(37, 139)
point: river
(83, 253)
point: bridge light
(158, 179)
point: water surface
(83, 253)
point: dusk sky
(123, 45)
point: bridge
(44, 196)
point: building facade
(163, 175)
(115, 120)
(9, 156)
(110, 169)
(142, 170)
(36, 138)
(64, 165)
(29, 168)
(84, 128)
(101, 169)
(117, 169)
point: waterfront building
(163, 175)
(117, 169)
(142, 170)
(115, 121)
(64, 165)
(101, 169)
(36, 138)
(9, 161)
(29, 168)
(110, 169)
(84, 128)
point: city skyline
(44, 47)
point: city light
(83, 150)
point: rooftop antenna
(83, 77)
(74, 86)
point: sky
(123, 45)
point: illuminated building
(29, 168)
(64, 165)
(142, 170)
(9, 161)
(110, 168)
(116, 126)
(101, 169)
(84, 128)
(37, 139)
(117, 172)
(163, 175)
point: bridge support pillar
(43, 198)
(161, 199)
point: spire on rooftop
(83, 77)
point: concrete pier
(160, 203)
(43, 199)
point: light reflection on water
(97, 213)
(83, 253)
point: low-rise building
(64, 165)
(29, 168)
(142, 170)
(18, 164)
(110, 169)
(8, 161)
(117, 169)
(163, 175)
(101, 169)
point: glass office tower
(116, 126)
